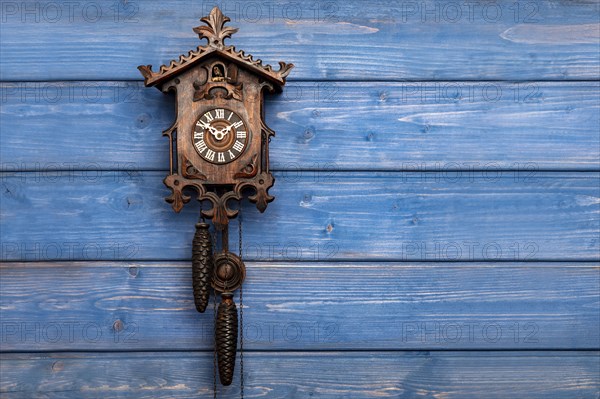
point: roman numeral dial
(220, 136)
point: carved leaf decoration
(204, 92)
(261, 184)
(262, 198)
(220, 213)
(284, 69)
(215, 32)
(146, 71)
(189, 171)
(177, 198)
(248, 171)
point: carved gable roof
(215, 32)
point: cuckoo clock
(219, 147)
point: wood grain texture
(318, 216)
(336, 375)
(320, 125)
(350, 268)
(331, 40)
(305, 306)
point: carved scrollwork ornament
(219, 148)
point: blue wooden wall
(436, 225)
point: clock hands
(225, 130)
(217, 134)
(205, 125)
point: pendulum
(225, 272)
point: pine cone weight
(202, 266)
(226, 336)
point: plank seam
(299, 171)
(334, 81)
(366, 350)
(330, 261)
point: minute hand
(226, 130)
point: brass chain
(240, 251)
(214, 246)
(241, 246)
(214, 237)
(215, 345)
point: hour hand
(206, 126)
(211, 129)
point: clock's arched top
(215, 32)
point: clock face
(220, 136)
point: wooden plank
(489, 216)
(329, 126)
(305, 306)
(372, 40)
(336, 375)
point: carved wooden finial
(215, 32)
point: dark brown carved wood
(217, 76)
(219, 146)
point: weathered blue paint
(412, 126)
(437, 171)
(318, 215)
(292, 306)
(330, 375)
(331, 40)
